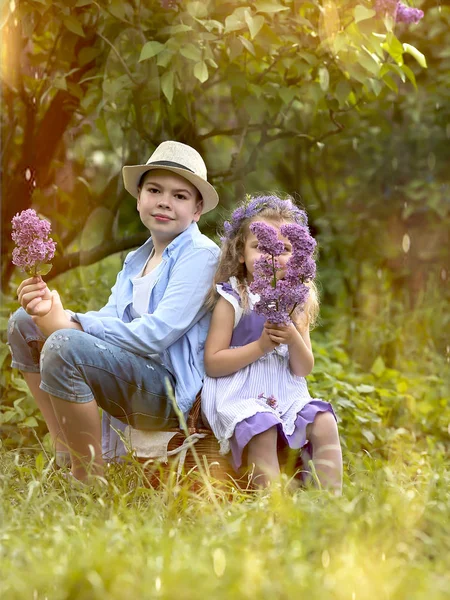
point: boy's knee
(21, 325)
(61, 345)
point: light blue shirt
(176, 324)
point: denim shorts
(78, 367)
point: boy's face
(251, 252)
(168, 204)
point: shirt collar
(191, 232)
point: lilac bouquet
(279, 297)
(34, 249)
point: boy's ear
(198, 211)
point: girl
(254, 394)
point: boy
(151, 331)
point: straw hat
(180, 159)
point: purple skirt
(260, 422)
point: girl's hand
(35, 297)
(265, 342)
(281, 334)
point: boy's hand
(56, 318)
(35, 297)
(281, 334)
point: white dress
(226, 401)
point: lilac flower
(270, 400)
(279, 297)
(406, 14)
(268, 242)
(34, 249)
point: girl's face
(251, 252)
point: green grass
(387, 537)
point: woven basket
(215, 464)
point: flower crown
(256, 205)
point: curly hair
(270, 208)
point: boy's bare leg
(81, 426)
(44, 403)
(262, 452)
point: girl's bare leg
(262, 453)
(43, 401)
(81, 426)
(327, 453)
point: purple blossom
(268, 242)
(407, 14)
(270, 400)
(278, 297)
(34, 248)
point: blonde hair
(270, 208)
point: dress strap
(228, 291)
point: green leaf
(233, 23)
(201, 71)
(167, 81)
(164, 58)
(394, 47)
(409, 74)
(29, 422)
(150, 49)
(365, 389)
(417, 55)
(269, 7)
(73, 25)
(368, 435)
(378, 367)
(197, 9)
(117, 8)
(43, 269)
(60, 83)
(287, 94)
(254, 24)
(342, 92)
(390, 83)
(174, 29)
(247, 44)
(191, 52)
(362, 13)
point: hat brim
(132, 175)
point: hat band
(169, 163)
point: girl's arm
(220, 359)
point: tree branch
(89, 257)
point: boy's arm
(220, 359)
(180, 307)
(57, 318)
